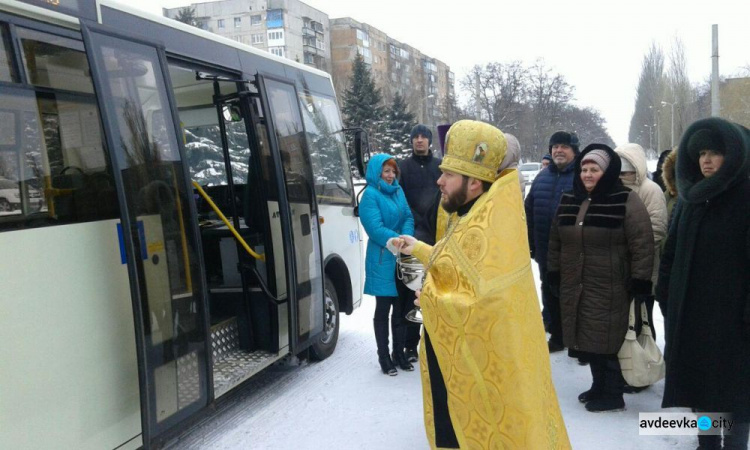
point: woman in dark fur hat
(601, 254)
(704, 282)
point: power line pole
(715, 100)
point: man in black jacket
(419, 175)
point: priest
(485, 367)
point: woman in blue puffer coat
(385, 215)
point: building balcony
(311, 49)
(307, 31)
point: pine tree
(397, 128)
(362, 103)
(187, 15)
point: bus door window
(267, 182)
(328, 154)
(158, 212)
(53, 164)
(298, 175)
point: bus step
(237, 366)
(232, 365)
(225, 338)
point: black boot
(400, 359)
(381, 338)
(597, 386)
(398, 329)
(386, 365)
(412, 355)
(628, 389)
(611, 399)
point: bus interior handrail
(240, 239)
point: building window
(275, 35)
(404, 54)
(278, 51)
(257, 39)
(275, 18)
(255, 19)
(220, 23)
(237, 22)
(363, 37)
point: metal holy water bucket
(411, 272)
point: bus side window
(56, 158)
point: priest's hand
(408, 244)
(418, 292)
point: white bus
(128, 308)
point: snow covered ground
(345, 402)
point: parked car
(530, 170)
(10, 196)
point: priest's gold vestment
(481, 314)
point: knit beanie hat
(566, 138)
(421, 129)
(548, 157)
(598, 156)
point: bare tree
(549, 94)
(680, 91)
(502, 88)
(648, 98)
(588, 123)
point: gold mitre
(474, 149)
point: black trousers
(411, 329)
(551, 304)
(383, 308)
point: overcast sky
(597, 45)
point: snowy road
(345, 402)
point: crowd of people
(605, 233)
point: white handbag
(641, 361)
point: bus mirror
(232, 113)
(361, 150)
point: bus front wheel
(326, 344)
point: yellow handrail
(226, 222)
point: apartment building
(427, 84)
(287, 28)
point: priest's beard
(453, 201)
